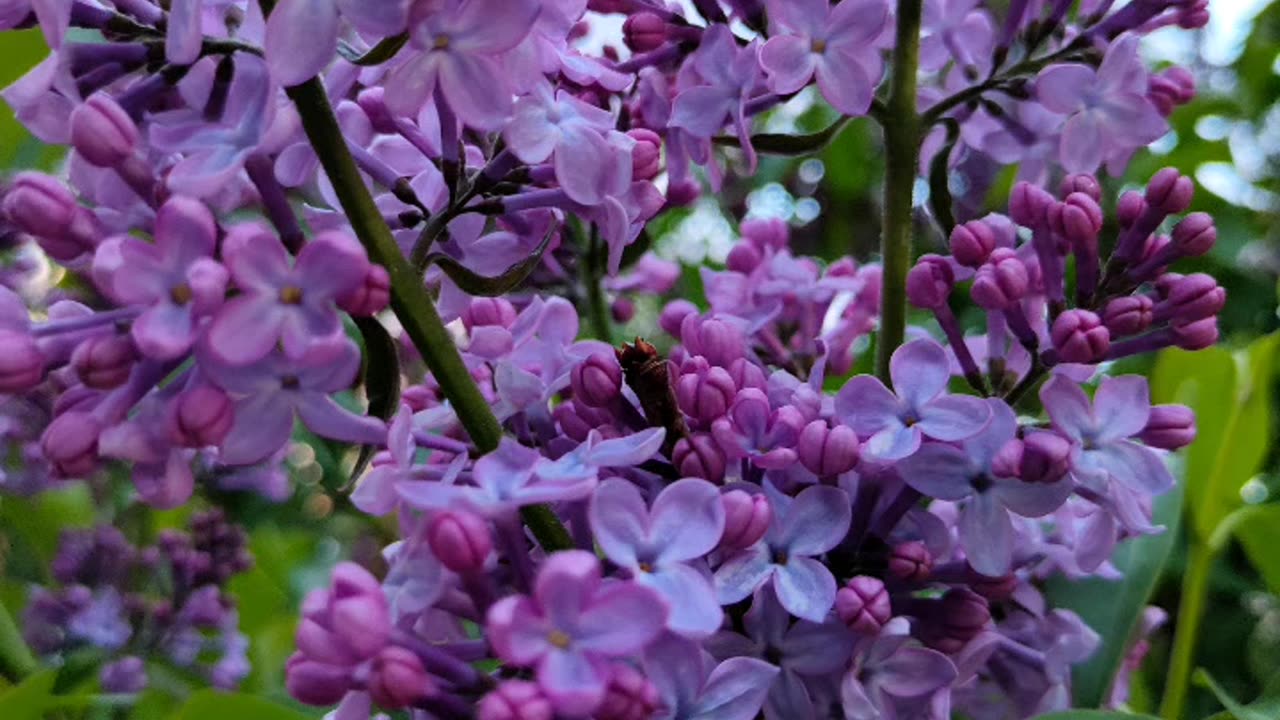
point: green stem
(902, 156)
(597, 308)
(16, 660)
(410, 300)
(1195, 591)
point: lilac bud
(1045, 457)
(746, 374)
(578, 420)
(1080, 337)
(1170, 427)
(993, 589)
(972, 243)
(719, 341)
(597, 380)
(827, 451)
(103, 362)
(1194, 15)
(515, 700)
(622, 310)
(1129, 208)
(1196, 335)
(1194, 297)
(863, 605)
(629, 696)
(674, 314)
(680, 194)
(1087, 184)
(1078, 219)
(911, 561)
(744, 257)
(646, 154)
(40, 205)
(699, 456)
(125, 676)
(1029, 205)
(398, 680)
(746, 518)
(102, 132)
(1194, 235)
(201, 417)
(1002, 282)
(348, 622)
(315, 683)
(485, 311)
(369, 297)
(1170, 191)
(1128, 315)
(21, 363)
(706, 394)
(460, 540)
(964, 614)
(930, 282)
(766, 234)
(71, 443)
(644, 31)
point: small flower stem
(902, 156)
(410, 300)
(597, 308)
(16, 660)
(1195, 590)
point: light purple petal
(1062, 88)
(475, 88)
(735, 690)
(574, 682)
(789, 63)
(582, 163)
(694, 610)
(845, 82)
(816, 521)
(376, 492)
(805, 588)
(987, 535)
(408, 86)
(867, 406)
(54, 17)
(618, 518)
(789, 699)
(183, 35)
(920, 372)
(262, 426)
(328, 267)
(939, 471)
(687, 520)
(164, 331)
(893, 443)
(1068, 407)
(1121, 407)
(1084, 143)
(812, 648)
(742, 573)
(1138, 467)
(622, 618)
(376, 17)
(492, 26)
(328, 419)
(701, 111)
(626, 451)
(301, 38)
(855, 24)
(954, 417)
(913, 671)
(245, 329)
(1031, 500)
(1133, 120)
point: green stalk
(597, 309)
(16, 660)
(1195, 591)
(410, 300)
(902, 156)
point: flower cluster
(125, 603)
(725, 526)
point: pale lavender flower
(836, 44)
(302, 35)
(727, 77)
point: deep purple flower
(728, 75)
(691, 689)
(889, 667)
(837, 44)
(302, 35)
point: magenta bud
(1194, 297)
(992, 588)
(21, 362)
(1046, 457)
(460, 540)
(348, 622)
(515, 700)
(746, 374)
(70, 443)
(597, 380)
(766, 233)
(863, 605)
(369, 297)
(1196, 335)
(672, 317)
(1128, 315)
(746, 518)
(102, 132)
(485, 311)
(744, 257)
(972, 243)
(1082, 183)
(644, 31)
(578, 420)
(1129, 208)
(1170, 427)
(1184, 80)
(398, 680)
(699, 456)
(705, 395)
(103, 362)
(1002, 282)
(629, 696)
(911, 561)
(964, 614)
(680, 194)
(622, 310)
(827, 451)
(1170, 191)
(1080, 337)
(40, 205)
(717, 340)
(201, 417)
(1029, 205)
(646, 154)
(929, 283)
(1195, 235)
(316, 683)
(1078, 219)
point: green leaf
(1092, 715)
(378, 54)
(1266, 707)
(38, 521)
(509, 280)
(212, 705)
(1112, 607)
(29, 699)
(1259, 535)
(381, 381)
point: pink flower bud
(1196, 335)
(911, 561)
(515, 700)
(40, 205)
(597, 380)
(1128, 315)
(369, 297)
(1170, 427)
(1170, 191)
(1045, 457)
(316, 683)
(705, 395)
(719, 341)
(746, 374)
(863, 605)
(577, 420)
(1087, 184)
(1078, 219)
(21, 362)
(398, 680)
(1001, 282)
(699, 456)
(1028, 205)
(1129, 208)
(972, 243)
(964, 614)
(646, 154)
(1080, 337)
(827, 451)
(672, 317)
(680, 194)
(102, 132)
(201, 417)
(460, 540)
(644, 31)
(930, 282)
(346, 623)
(71, 443)
(1194, 235)
(744, 257)
(746, 518)
(103, 362)
(1194, 297)
(622, 310)
(629, 696)
(489, 311)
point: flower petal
(805, 588)
(742, 573)
(939, 471)
(920, 372)
(694, 610)
(987, 535)
(619, 519)
(301, 38)
(687, 520)
(1122, 407)
(954, 417)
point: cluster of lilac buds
(125, 603)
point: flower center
(291, 295)
(980, 483)
(181, 294)
(780, 557)
(289, 382)
(558, 639)
(646, 567)
(441, 42)
(818, 46)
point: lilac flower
(692, 690)
(810, 524)
(302, 35)
(1107, 109)
(294, 306)
(273, 389)
(685, 523)
(955, 29)
(572, 625)
(457, 43)
(376, 493)
(1100, 430)
(176, 277)
(950, 473)
(764, 436)
(837, 44)
(897, 424)
(888, 667)
(729, 75)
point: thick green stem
(1195, 591)
(410, 300)
(597, 309)
(16, 660)
(902, 156)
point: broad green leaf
(1259, 535)
(1093, 715)
(37, 522)
(29, 699)
(213, 705)
(1112, 607)
(1266, 707)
